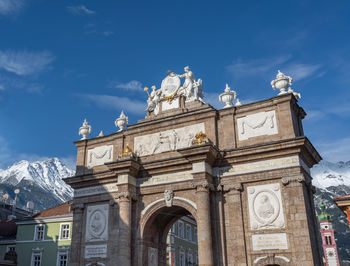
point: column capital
(297, 178)
(232, 188)
(126, 196)
(202, 186)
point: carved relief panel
(100, 155)
(168, 140)
(265, 207)
(97, 223)
(259, 124)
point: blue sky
(63, 61)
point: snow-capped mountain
(333, 180)
(40, 182)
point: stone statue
(191, 88)
(153, 99)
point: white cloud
(301, 71)
(108, 33)
(80, 10)
(133, 85)
(250, 68)
(25, 63)
(131, 106)
(336, 150)
(268, 66)
(10, 7)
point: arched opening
(169, 236)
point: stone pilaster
(125, 203)
(77, 240)
(236, 247)
(205, 249)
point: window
(64, 234)
(173, 229)
(62, 256)
(330, 240)
(39, 232)
(180, 230)
(36, 257)
(326, 240)
(190, 259)
(188, 232)
(182, 258)
(195, 234)
(10, 248)
(62, 260)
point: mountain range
(41, 183)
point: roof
(345, 197)
(59, 210)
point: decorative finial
(101, 134)
(122, 121)
(282, 82)
(85, 130)
(238, 102)
(227, 97)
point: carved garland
(258, 125)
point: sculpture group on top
(171, 88)
(191, 89)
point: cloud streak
(131, 106)
(80, 10)
(24, 63)
(133, 85)
(242, 69)
(10, 7)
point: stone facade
(248, 187)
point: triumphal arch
(242, 172)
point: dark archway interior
(157, 228)
(159, 224)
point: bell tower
(328, 240)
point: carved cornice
(77, 207)
(128, 166)
(205, 152)
(202, 186)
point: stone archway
(272, 260)
(156, 220)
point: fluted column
(125, 200)
(205, 249)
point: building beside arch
(242, 173)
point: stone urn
(85, 130)
(282, 82)
(227, 97)
(121, 122)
